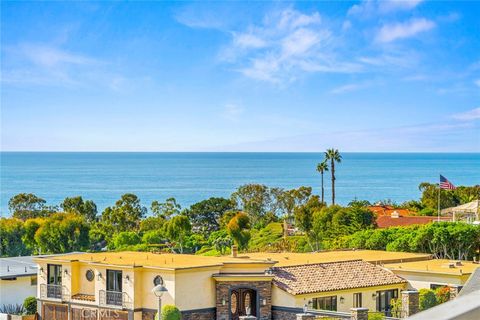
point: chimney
(234, 251)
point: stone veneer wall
(200, 314)
(264, 291)
(279, 313)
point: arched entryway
(243, 302)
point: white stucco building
(18, 279)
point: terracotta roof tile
(386, 221)
(332, 276)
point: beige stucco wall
(144, 279)
(284, 299)
(418, 280)
(195, 289)
(15, 291)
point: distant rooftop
(15, 267)
(372, 256)
(332, 276)
(436, 266)
(401, 220)
(155, 260)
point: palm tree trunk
(332, 165)
(323, 191)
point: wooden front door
(55, 312)
(243, 302)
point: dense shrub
(170, 312)
(442, 294)
(427, 299)
(30, 305)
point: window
(357, 300)
(114, 280)
(33, 280)
(434, 286)
(89, 275)
(54, 274)
(383, 300)
(325, 303)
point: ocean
(191, 177)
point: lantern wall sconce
(41, 269)
(224, 301)
(127, 277)
(374, 295)
(342, 300)
(65, 272)
(264, 302)
(99, 276)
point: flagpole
(439, 190)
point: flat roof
(14, 267)
(155, 260)
(436, 266)
(17, 267)
(372, 256)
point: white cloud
(48, 65)
(370, 8)
(284, 45)
(395, 31)
(47, 56)
(232, 111)
(470, 115)
(248, 40)
(348, 88)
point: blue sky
(232, 76)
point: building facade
(118, 285)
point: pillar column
(410, 303)
(305, 316)
(359, 313)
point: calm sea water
(190, 177)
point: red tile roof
(332, 276)
(388, 210)
(388, 221)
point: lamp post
(159, 290)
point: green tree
(63, 232)
(205, 215)
(27, 205)
(239, 229)
(152, 223)
(285, 201)
(220, 240)
(177, 229)
(31, 227)
(333, 156)
(322, 167)
(77, 205)
(304, 213)
(11, 233)
(254, 200)
(166, 209)
(429, 197)
(125, 215)
(125, 239)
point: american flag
(445, 184)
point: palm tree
(334, 156)
(322, 167)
